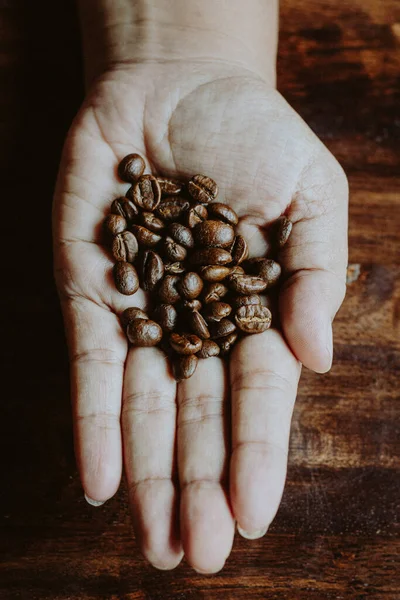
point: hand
(212, 450)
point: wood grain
(336, 535)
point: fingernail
(93, 502)
(254, 535)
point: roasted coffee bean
(181, 234)
(170, 187)
(185, 343)
(226, 343)
(223, 212)
(144, 333)
(167, 316)
(173, 251)
(252, 300)
(151, 222)
(222, 328)
(216, 311)
(184, 366)
(203, 189)
(192, 304)
(247, 284)
(214, 233)
(214, 292)
(209, 349)
(210, 256)
(198, 325)
(239, 250)
(125, 208)
(131, 314)
(236, 270)
(174, 268)
(280, 232)
(114, 224)
(190, 286)
(168, 291)
(153, 270)
(195, 215)
(126, 278)
(214, 272)
(125, 247)
(131, 168)
(147, 193)
(172, 208)
(253, 319)
(265, 268)
(145, 237)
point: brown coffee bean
(167, 316)
(253, 319)
(222, 328)
(144, 333)
(203, 189)
(131, 168)
(114, 224)
(198, 325)
(147, 193)
(185, 343)
(226, 343)
(181, 234)
(210, 256)
(125, 208)
(192, 304)
(151, 222)
(223, 212)
(131, 314)
(126, 278)
(145, 237)
(252, 300)
(239, 250)
(216, 311)
(170, 187)
(195, 215)
(265, 268)
(174, 268)
(280, 231)
(190, 286)
(152, 269)
(172, 251)
(236, 270)
(214, 292)
(125, 247)
(184, 366)
(209, 349)
(172, 208)
(247, 284)
(214, 272)
(214, 233)
(168, 291)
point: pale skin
(191, 87)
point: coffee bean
(147, 193)
(172, 251)
(226, 343)
(181, 234)
(223, 212)
(131, 314)
(126, 278)
(114, 224)
(125, 247)
(265, 268)
(168, 291)
(252, 300)
(185, 343)
(280, 231)
(214, 292)
(184, 367)
(144, 333)
(216, 311)
(172, 208)
(167, 317)
(253, 319)
(190, 286)
(145, 237)
(170, 187)
(192, 304)
(203, 189)
(131, 168)
(209, 349)
(239, 250)
(198, 325)
(214, 272)
(222, 328)
(247, 284)
(153, 270)
(210, 256)
(125, 208)
(214, 233)
(151, 222)
(236, 270)
(175, 268)
(195, 215)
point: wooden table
(336, 535)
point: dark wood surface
(336, 535)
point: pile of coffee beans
(178, 244)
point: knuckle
(200, 409)
(103, 356)
(147, 403)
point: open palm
(211, 450)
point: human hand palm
(212, 450)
